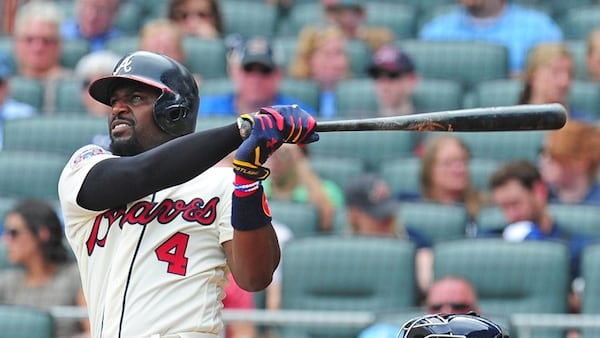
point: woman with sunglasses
(45, 275)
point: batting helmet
(451, 325)
(176, 109)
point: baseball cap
(258, 50)
(371, 194)
(392, 60)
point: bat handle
(245, 127)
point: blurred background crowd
(391, 223)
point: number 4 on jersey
(172, 251)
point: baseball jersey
(155, 267)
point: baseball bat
(501, 118)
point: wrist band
(250, 212)
(247, 187)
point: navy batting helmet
(451, 326)
(176, 109)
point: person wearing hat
(395, 79)
(257, 76)
(9, 107)
(371, 210)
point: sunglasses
(180, 16)
(454, 306)
(381, 74)
(254, 67)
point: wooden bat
(502, 118)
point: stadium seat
(577, 218)
(248, 19)
(209, 122)
(578, 49)
(27, 90)
(591, 293)
(59, 133)
(402, 175)
(585, 96)
(68, 97)
(504, 92)
(504, 145)
(437, 222)
(578, 22)
(524, 277)
(25, 322)
(129, 18)
(468, 62)
(438, 94)
(30, 173)
(338, 170)
(301, 218)
(72, 51)
(123, 45)
(346, 274)
(205, 57)
(372, 147)
(490, 221)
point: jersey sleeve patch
(86, 153)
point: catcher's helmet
(176, 109)
(451, 326)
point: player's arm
(114, 182)
(253, 254)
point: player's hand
(264, 139)
(296, 125)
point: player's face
(131, 123)
(20, 242)
(516, 202)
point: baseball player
(451, 325)
(154, 226)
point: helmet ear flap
(170, 114)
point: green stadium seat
(490, 220)
(338, 170)
(129, 18)
(301, 218)
(25, 322)
(123, 45)
(30, 173)
(468, 62)
(372, 147)
(27, 90)
(356, 97)
(578, 22)
(585, 96)
(60, 133)
(437, 222)
(72, 51)
(524, 277)
(68, 97)
(248, 19)
(320, 273)
(402, 174)
(577, 218)
(578, 49)
(205, 57)
(591, 293)
(504, 92)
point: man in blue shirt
(94, 22)
(495, 21)
(256, 77)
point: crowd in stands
(312, 53)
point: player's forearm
(253, 258)
(115, 182)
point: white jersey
(156, 267)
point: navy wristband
(250, 212)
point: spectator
(592, 59)
(257, 76)
(395, 80)
(444, 174)
(449, 294)
(9, 107)
(519, 191)
(292, 178)
(548, 78)
(89, 68)
(37, 46)
(569, 163)
(164, 37)
(495, 21)
(371, 210)
(351, 17)
(321, 56)
(94, 22)
(237, 298)
(198, 18)
(33, 235)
